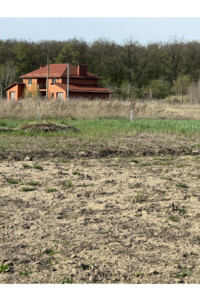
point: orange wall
(58, 80)
(55, 89)
(18, 89)
(30, 90)
(13, 89)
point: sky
(144, 21)
(118, 29)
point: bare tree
(171, 58)
(7, 75)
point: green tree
(160, 89)
(68, 54)
(180, 86)
(192, 60)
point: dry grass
(28, 109)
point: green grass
(182, 185)
(50, 190)
(135, 161)
(66, 280)
(26, 166)
(86, 185)
(106, 126)
(173, 218)
(140, 197)
(76, 173)
(68, 184)
(138, 215)
(101, 128)
(138, 274)
(182, 212)
(25, 272)
(38, 167)
(4, 268)
(49, 252)
(100, 138)
(167, 178)
(181, 274)
(32, 183)
(28, 189)
(13, 181)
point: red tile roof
(83, 88)
(56, 71)
(13, 84)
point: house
(82, 84)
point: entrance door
(59, 95)
(12, 95)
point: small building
(53, 81)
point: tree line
(128, 70)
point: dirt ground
(106, 220)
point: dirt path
(101, 220)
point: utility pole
(68, 82)
(47, 82)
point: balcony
(42, 87)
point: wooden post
(131, 115)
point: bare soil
(138, 144)
(101, 220)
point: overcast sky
(144, 30)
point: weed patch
(51, 190)
(38, 167)
(26, 166)
(4, 268)
(182, 185)
(173, 218)
(33, 183)
(13, 181)
(66, 280)
(28, 189)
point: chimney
(82, 70)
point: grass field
(100, 137)
(100, 199)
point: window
(30, 81)
(59, 95)
(12, 95)
(52, 96)
(53, 80)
